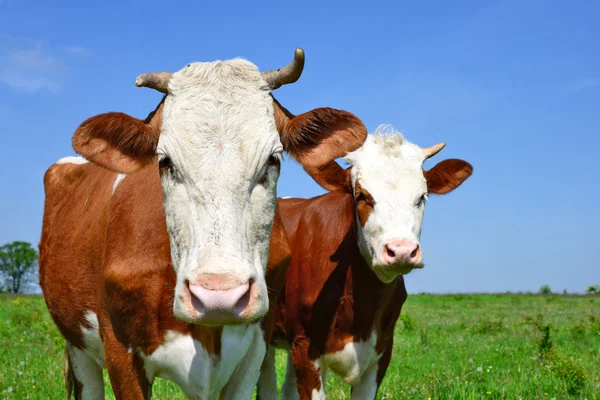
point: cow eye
(165, 162)
(422, 200)
(274, 160)
(165, 165)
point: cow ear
(119, 142)
(447, 175)
(331, 177)
(317, 138)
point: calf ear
(447, 175)
(317, 138)
(331, 177)
(119, 142)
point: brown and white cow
(163, 272)
(350, 248)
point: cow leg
(245, 376)
(308, 374)
(366, 387)
(126, 371)
(267, 383)
(83, 375)
(370, 381)
(290, 384)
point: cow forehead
(388, 165)
(222, 110)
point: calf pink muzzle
(402, 251)
(220, 299)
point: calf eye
(165, 165)
(165, 162)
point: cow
(154, 245)
(344, 287)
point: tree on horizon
(18, 262)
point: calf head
(218, 137)
(390, 189)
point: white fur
(118, 180)
(318, 394)
(267, 383)
(201, 375)
(366, 387)
(390, 169)
(183, 360)
(72, 160)
(91, 338)
(219, 130)
(289, 390)
(352, 361)
(356, 364)
(87, 363)
(87, 371)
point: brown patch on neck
(364, 203)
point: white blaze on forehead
(219, 114)
(390, 169)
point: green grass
(446, 347)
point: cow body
(116, 288)
(334, 312)
(164, 267)
(350, 248)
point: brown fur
(364, 203)
(344, 302)
(110, 254)
(447, 175)
(118, 141)
(319, 136)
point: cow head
(218, 137)
(390, 190)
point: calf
(350, 248)
(163, 272)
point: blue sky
(513, 87)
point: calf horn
(288, 74)
(155, 80)
(433, 150)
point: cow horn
(288, 74)
(154, 80)
(433, 150)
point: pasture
(505, 346)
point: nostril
(415, 253)
(390, 252)
(243, 302)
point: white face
(219, 154)
(390, 193)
